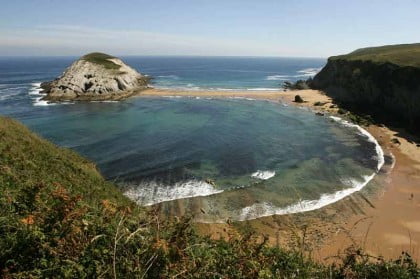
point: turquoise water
(214, 158)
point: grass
(101, 59)
(401, 55)
(60, 219)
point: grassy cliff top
(402, 55)
(101, 59)
(28, 160)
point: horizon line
(171, 55)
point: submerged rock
(95, 76)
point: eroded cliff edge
(95, 76)
(383, 82)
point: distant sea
(230, 158)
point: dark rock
(395, 141)
(341, 111)
(318, 104)
(210, 181)
(298, 99)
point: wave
(278, 77)
(10, 90)
(168, 76)
(188, 87)
(153, 192)
(7, 96)
(36, 92)
(41, 103)
(37, 101)
(309, 72)
(379, 151)
(6, 93)
(264, 209)
(263, 175)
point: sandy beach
(383, 221)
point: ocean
(215, 158)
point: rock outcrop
(95, 76)
(383, 82)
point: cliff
(381, 81)
(95, 76)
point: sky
(290, 28)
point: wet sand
(383, 218)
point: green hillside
(101, 59)
(60, 219)
(402, 55)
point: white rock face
(95, 79)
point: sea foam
(35, 92)
(278, 77)
(263, 209)
(267, 209)
(379, 151)
(169, 76)
(309, 72)
(152, 192)
(263, 175)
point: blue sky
(299, 28)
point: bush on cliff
(298, 85)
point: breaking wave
(152, 192)
(263, 175)
(309, 72)
(36, 93)
(263, 209)
(168, 76)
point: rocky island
(383, 82)
(95, 76)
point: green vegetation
(298, 85)
(60, 219)
(401, 55)
(101, 59)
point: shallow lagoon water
(234, 152)
(214, 158)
